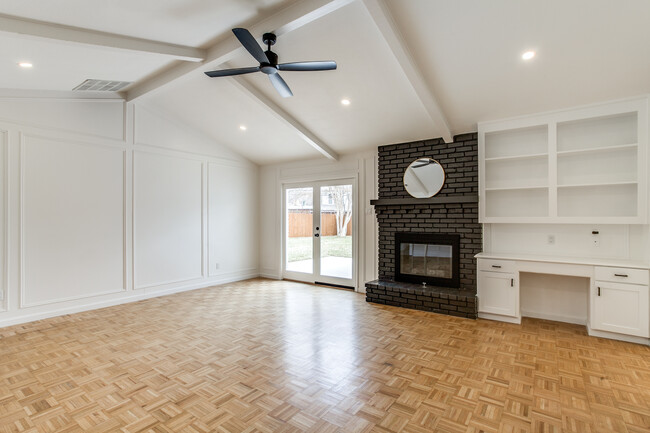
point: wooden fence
(300, 224)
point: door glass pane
(300, 225)
(336, 231)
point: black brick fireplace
(453, 212)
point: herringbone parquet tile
(270, 356)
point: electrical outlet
(551, 239)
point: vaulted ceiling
(412, 69)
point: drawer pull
(496, 266)
(599, 291)
(620, 275)
(512, 282)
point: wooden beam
(287, 19)
(45, 30)
(387, 27)
(279, 113)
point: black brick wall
(460, 161)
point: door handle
(599, 291)
(316, 235)
(512, 282)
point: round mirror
(424, 178)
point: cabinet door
(622, 308)
(498, 293)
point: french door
(319, 232)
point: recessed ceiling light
(25, 64)
(242, 127)
(528, 55)
(345, 101)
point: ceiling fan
(269, 62)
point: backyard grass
(331, 246)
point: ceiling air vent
(102, 86)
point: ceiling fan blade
(234, 71)
(280, 85)
(308, 66)
(251, 45)
(424, 162)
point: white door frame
(315, 276)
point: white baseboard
(555, 317)
(500, 318)
(137, 296)
(270, 276)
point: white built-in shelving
(586, 165)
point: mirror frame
(444, 176)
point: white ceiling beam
(288, 19)
(279, 113)
(45, 30)
(388, 28)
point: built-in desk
(619, 301)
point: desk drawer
(494, 265)
(622, 275)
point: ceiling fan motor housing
(270, 67)
(269, 39)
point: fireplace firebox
(429, 258)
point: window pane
(299, 242)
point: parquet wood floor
(271, 356)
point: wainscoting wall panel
(232, 219)
(96, 201)
(4, 249)
(167, 219)
(72, 220)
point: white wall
(362, 167)
(103, 202)
(615, 241)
